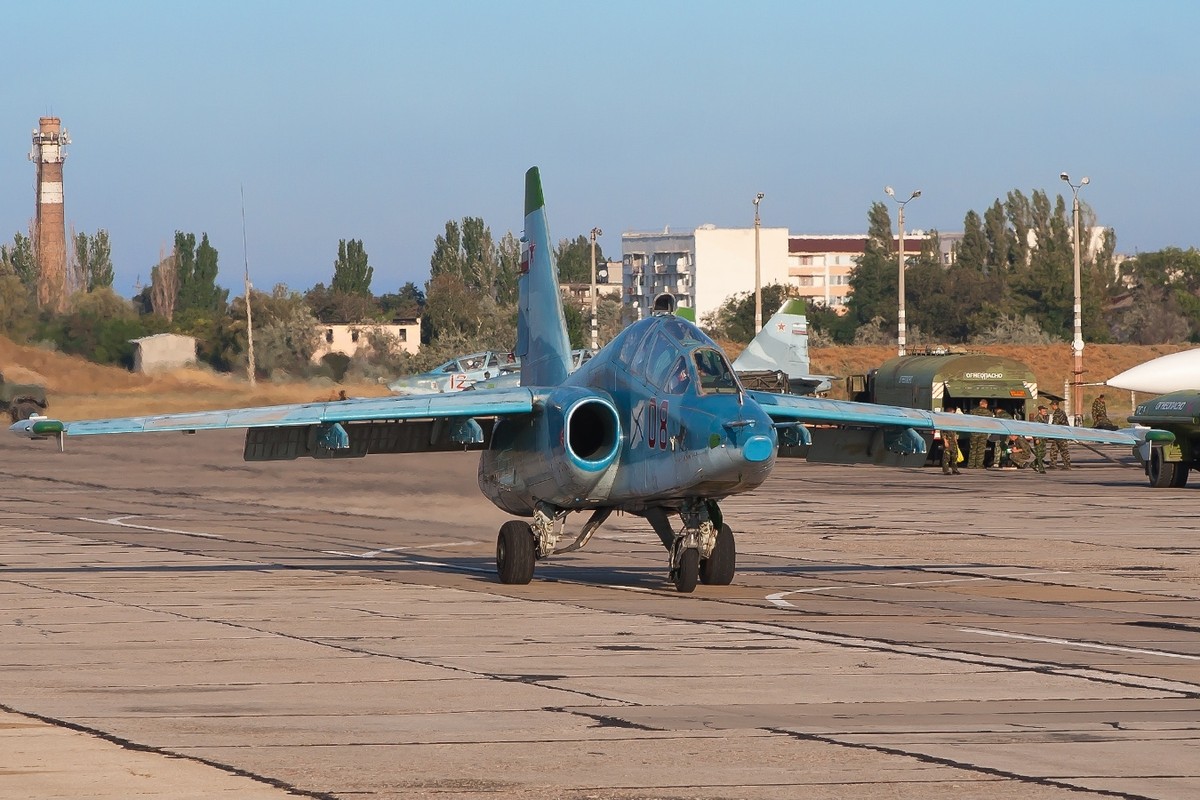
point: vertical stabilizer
(542, 341)
(782, 344)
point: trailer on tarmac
(949, 381)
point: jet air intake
(557, 455)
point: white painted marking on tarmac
(778, 598)
(119, 522)
(373, 553)
(1112, 648)
(1127, 679)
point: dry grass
(79, 389)
(1052, 364)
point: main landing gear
(703, 551)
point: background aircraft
(459, 373)
(655, 425)
(1178, 411)
(490, 370)
(1170, 373)
(782, 345)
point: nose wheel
(686, 572)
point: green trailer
(949, 381)
(1167, 465)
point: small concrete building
(348, 337)
(163, 351)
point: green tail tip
(533, 191)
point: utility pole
(757, 267)
(595, 334)
(901, 325)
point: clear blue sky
(380, 121)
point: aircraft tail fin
(542, 341)
(782, 344)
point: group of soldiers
(1014, 451)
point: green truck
(1167, 465)
(22, 400)
(944, 381)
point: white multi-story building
(702, 268)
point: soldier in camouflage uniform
(1058, 447)
(1100, 414)
(1039, 444)
(978, 443)
(950, 451)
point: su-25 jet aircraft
(656, 425)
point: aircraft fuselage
(654, 420)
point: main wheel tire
(718, 568)
(1181, 475)
(515, 552)
(1161, 472)
(688, 571)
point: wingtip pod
(37, 428)
(534, 199)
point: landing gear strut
(703, 551)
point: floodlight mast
(1077, 340)
(901, 325)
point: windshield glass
(715, 375)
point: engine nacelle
(559, 454)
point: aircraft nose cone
(758, 449)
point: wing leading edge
(794, 408)
(485, 403)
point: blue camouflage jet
(656, 424)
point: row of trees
(469, 303)
(1011, 280)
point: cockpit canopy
(675, 355)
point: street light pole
(1077, 342)
(595, 338)
(901, 325)
(757, 267)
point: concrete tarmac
(177, 623)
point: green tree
(999, 239)
(196, 269)
(20, 259)
(93, 255)
(873, 283)
(99, 326)
(285, 332)
(734, 319)
(574, 257)
(336, 305)
(973, 250)
(18, 306)
(408, 303)
(351, 271)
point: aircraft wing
(794, 408)
(487, 403)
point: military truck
(1167, 465)
(944, 381)
(22, 400)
